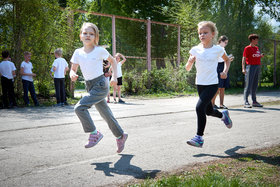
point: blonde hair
(95, 29)
(58, 51)
(212, 27)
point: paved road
(44, 146)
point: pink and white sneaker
(121, 142)
(94, 139)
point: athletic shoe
(223, 107)
(115, 102)
(215, 107)
(94, 139)
(121, 142)
(121, 101)
(247, 105)
(196, 141)
(256, 104)
(226, 119)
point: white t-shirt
(60, 64)
(206, 64)
(91, 63)
(6, 69)
(27, 69)
(119, 70)
(220, 58)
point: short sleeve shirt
(206, 63)
(252, 55)
(91, 63)
(27, 66)
(60, 64)
(119, 70)
(6, 69)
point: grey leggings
(98, 89)
(251, 81)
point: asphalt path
(44, 146)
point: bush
(158, 81)
(44, 89)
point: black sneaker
(256, 104)
(215, 107)
(121, 101)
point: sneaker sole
(95, 143)
(195, 145)
(229, 125)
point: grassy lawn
(259, 167)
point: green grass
(255, 168)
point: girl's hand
(74, 78)
(223, 75)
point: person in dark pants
(27, 79)
(7, 73)
(59, 67)
(252, 56)
(206, 55)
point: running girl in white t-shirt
(206, 56)
(90, 59)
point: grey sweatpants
(251, 81)
(98, 89)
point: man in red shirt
(252, 57)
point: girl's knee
(77, 108)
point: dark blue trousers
(60, 94)
(29, 86)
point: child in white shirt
(59, 67)
(27, 79)
(7, 73)
(90, 59)
(206, 56)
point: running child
(206, 56)
(90, 59)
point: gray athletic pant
(98, 89)
(251, 81)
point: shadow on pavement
(275, 109)
(246, 110)
(123, 167)
(244, 156)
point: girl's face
(205, 35)
(118, 58)
(87, 36)
(223, 43)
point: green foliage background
(41, 26)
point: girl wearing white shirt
(223, 83)
(206, 56)
(90, 59)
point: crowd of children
(98, 66)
